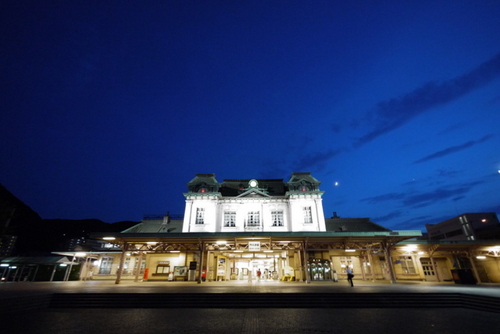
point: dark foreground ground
(246, 320)
(258, 321)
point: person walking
(349, 275)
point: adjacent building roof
(156, 226)
(338, 224)
(26, 260)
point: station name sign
(254, 246)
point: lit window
(200, 216)
(307, 215)
(106, 264)
(229, 218)
(253, 218)
(345, 261)
(277, 218)
(407, 265)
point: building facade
(270, 229)
(467, 226)
(270, 205)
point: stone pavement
(262, 321)
(9, 289)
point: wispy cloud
(453, 149)
(424, 198)
(383, 198)
(447, 173)
(393, 113)
(389, 216)
(437, 195)
(315, 160)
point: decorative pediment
(253, 192)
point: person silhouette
(349, 275)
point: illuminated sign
(254, 246)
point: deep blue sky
(110, 108)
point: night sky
(109, 108)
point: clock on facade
(253, 183)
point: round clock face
(253, 183)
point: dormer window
(200, 216)
(307, 215)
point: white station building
(275, 229)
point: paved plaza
(251, 320)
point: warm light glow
(238, 251)
(221, 242)
(410, 248)
(268, 251)
(63, 265)
(420, 253)
(151, 242)
(80, 254)
(481, 257)
(350, 250)
(175, 251)
(109, 238)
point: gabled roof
(208, 178)
(337, 224)
(156, 226)
(297, 177)
(207, 182)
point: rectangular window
(407, 264)
(253, 218)
(229, 218)
(106, 263)
(345, 261)
(307, 215)
(367, 267)
(200, 216)
(126, 265)
(163, 269)
(141, 269)
(277, 218)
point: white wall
(292, 207)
